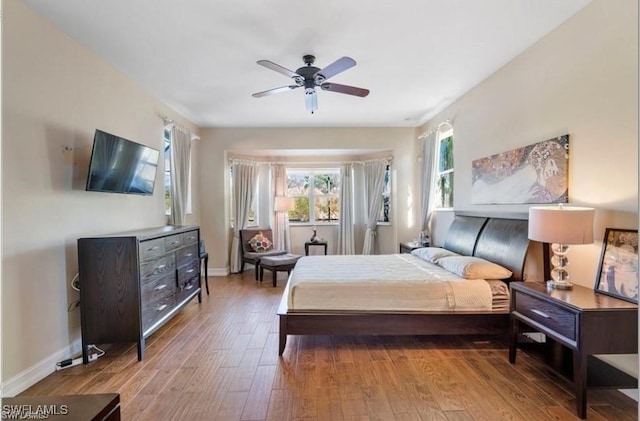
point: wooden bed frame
(502, 240)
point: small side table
(409, 246)
(315, 243)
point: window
(316, 193)
(167, 176)
(383, 216)
(444, 171)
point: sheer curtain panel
(245, 176)
(373, 186)
(281, 238)
(429, 143)
(180, 160)
(346, 242)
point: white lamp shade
(561, 224)
(284, 204)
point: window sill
(317, 224)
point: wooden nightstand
(580, 322)
(409, 246)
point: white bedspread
(394, 282)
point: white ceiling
(199, 56)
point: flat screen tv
(119, 165)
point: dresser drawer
(188, 272)
(158, 289)
(155, 310)
(190, 237)
(188, 254)
(187, 289)
(156, 268)
(173, 242)
(554, 318)
(151, 248)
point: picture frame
(618, 270)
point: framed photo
(618, 270)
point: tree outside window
(444, 175)
(316, 193)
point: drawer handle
(159, 287)
(188, 287)
(189, 254)
(153, 248)
(540, 313)
(191, 270)
(161, 267)
(162, 307)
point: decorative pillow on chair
(259, 243)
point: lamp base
(559, 285)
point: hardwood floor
(218, 360)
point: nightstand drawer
(553, 317)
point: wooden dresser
(132, 283)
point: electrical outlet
(67, 154)
(93, 357)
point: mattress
(387, 283)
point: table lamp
(284, 204)
(561, 226)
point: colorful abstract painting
(536, 173)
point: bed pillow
(259, 243)
(470, 267)
(432, 254)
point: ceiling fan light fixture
(311, 100)
(310, 76)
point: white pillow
(470, 267)
(432, 254)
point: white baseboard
(219, 271)
(32, 375)
(632, 393)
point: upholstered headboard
(499, 239)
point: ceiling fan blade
(274, 91)
(344, 89)
(271, 65)
(338, 66)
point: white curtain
(280, 226)
(429, 143)
(374, 172)
(180, 159)
(346, 242)
(245, 176)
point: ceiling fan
(310, 76)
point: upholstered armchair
(249, 255)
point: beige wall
(56, 93)
(581, 79)
(215, 196)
